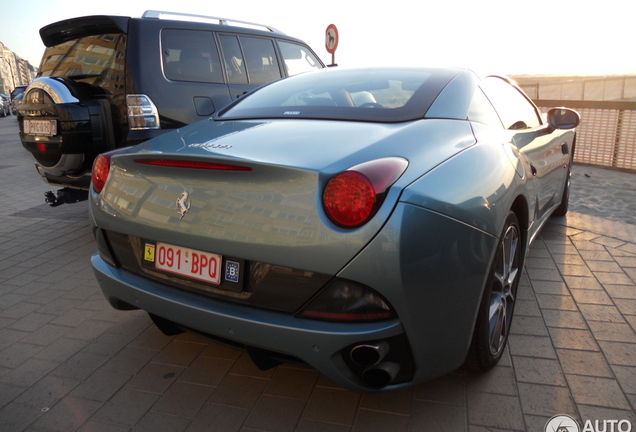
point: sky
(512, 37)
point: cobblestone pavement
(604, 193)
(68, 362)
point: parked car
(5, 105)
(370, 223)
(18, 90)
(16, 102)
(107, 82)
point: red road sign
(331, 39)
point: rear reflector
(344, 300)
(178, 163)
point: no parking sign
(331, 42)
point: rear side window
(297, 58)
(233, 58)
(260, 59)
(481, 110)
(190, 55)
(249, 60)
(98, 60)
(514, 109)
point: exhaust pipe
(380, 376)
(369, 354)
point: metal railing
(607, 133)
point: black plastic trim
(74, 28)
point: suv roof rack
(154, 14)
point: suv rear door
(250, 61)
(191, 61)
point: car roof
(74, 28)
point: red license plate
(190, 263)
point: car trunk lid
(263, 201)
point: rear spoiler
(75, 28)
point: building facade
(14, 71)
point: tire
(85, 129)
(562, 209)
(497, 306)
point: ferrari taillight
(352, 197)
(101, 168)
(349, 199)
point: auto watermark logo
(607, 426)
(565, 423)
(562, 423)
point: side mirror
(563, 118)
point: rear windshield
(384, 95)
(97, 60)
(17, 91)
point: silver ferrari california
(371, 223)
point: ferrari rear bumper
(326, 346)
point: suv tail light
(142, 112)
(352, 197)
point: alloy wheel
(504, 289)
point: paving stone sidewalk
(69, 362)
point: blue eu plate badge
(232, 271)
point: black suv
(108, 81)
